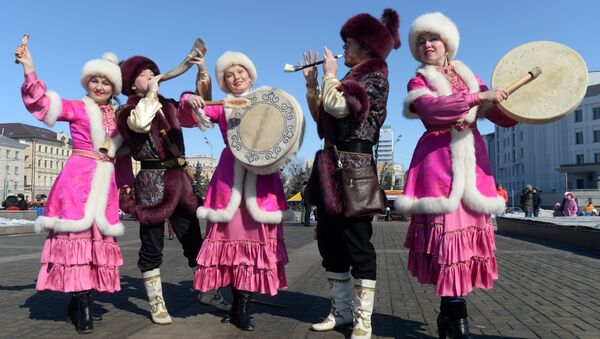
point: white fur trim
(462, 149)
(115, 143)
(258, 214)
(95, 208)
(54, 110)
(94, 115)
(226, 214)
(229, 59)
(412, 95)
(464, 184)
(470, 80)
(434, 23)
(108, 66)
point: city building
(385, 150)
(44, 157)
(556, 157)
(207, 162)
(12, 156)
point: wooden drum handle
(534, 73)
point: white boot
(340, 287)
(363, 299)
(153, 285)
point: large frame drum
(267, 133)
(558, 90)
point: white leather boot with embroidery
(158, 309)
(363, 300)
(340, 287)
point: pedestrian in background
(527, 201)
(570, 206)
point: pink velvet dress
(243, 244)
(81, 251)
(450, 189)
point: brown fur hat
(131, 68)
(376, 36)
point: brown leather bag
(361, 193)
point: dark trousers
(306, 215)
(346, 242)
(186, 228)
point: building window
(596, 112)
(597, 136)
(579, 138)
(16, 155)
(579, 159)
(578, 115)
(597, 158)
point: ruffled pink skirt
(244, 253)
(74, 262)
(454, 251)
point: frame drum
(267, 133)
(558, 90)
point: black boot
(458, 324)
(231, 314)
(241, 310)
(442, 321)
(72, 310)
(84, 323)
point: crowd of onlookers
(531, 201)
(15, 203)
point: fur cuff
(357, 99)
(54, 110)
(412, 96)
(329, 186)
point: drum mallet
(534, 73)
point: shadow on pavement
(554, 245)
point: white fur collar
(439, 86)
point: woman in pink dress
(450, 190)
(243, 246)
(81, 253)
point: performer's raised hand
(199, 60)
(24, 58)
(153, 84)
(197, 102)
(310, 73)
(493, 96)
(330, 65)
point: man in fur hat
(152, 127)
(349, 113)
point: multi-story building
(207, 163)
(385, 150)
(560, 156)
(44, 157)
(12, 156)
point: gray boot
(340, 287)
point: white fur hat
(108, 66)
(436, 23)
(229, 59)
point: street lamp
(393, 181)
(212, 159)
